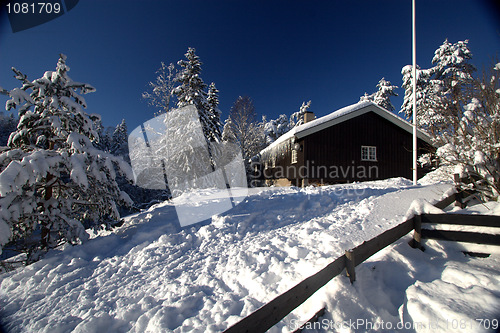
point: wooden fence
(457, 236)
(273, 312)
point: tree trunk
(45, 224)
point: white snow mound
(150, 276)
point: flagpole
(414, 56)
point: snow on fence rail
(273, 312)
(457, 236)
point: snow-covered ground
(401, 289)
(150, 276)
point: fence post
(416, 242)
(459, 196)
(349, 265)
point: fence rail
(273, 312)
(459, 236)
(462, 219)
(270, 314)
(443, 203)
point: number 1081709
(33, 8)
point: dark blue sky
(280, 53)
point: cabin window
(368, 153)
(294, 156)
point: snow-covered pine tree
(112, 140)
(105, 135)
(452, 67)
(429, 117)
(191, 91)
(119, 141)
(227, 131)
(452, 79)
(117, 145)
(367, 97)
(161, 92)
(214, 111)
(53, 181)
(383, 95)
(275, 128)
(297, 118)
(442, 90)
(8, 124)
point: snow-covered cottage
(360, 142)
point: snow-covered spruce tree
(105, 135)
(429, 115)
(161, 92)
(453, 70)
(442, 90)
(452, 79)
(213, 109)
(297, 118)
(112, 140)
(191, 91)
(53, 182)
(119, 141)
(383, 96)
(8, 124)
(227, 131)
(275, 128)
(117, 144)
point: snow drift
(150, 276)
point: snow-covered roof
(353, 111)
(342, 115)
(288, 135)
